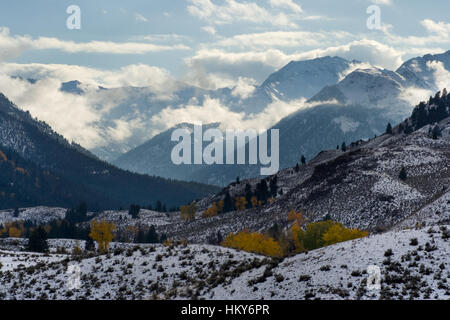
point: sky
(207, 43)
(231, 38)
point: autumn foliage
(253, 242)
(102, 233)
(323, 233)
(188, 212)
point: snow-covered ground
(40, 215)
(415, 269)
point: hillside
(68, 174)
(413, 271)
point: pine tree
(436, 133)
(152, 236)
(16, 212)
(134, 211)
(227, 203)
(297, 168)
(89, 245)
(238, 180)
(303, 160)
(38, 240)
(403, 175)
(389, 129)
(344, 147)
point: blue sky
(181, 32)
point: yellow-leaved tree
(253, 242)
(102, 232)
(339, 233)
(241, 203)
(188, 212)
(211, 211)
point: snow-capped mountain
(305, 78)
(427, 70)
(137, 106)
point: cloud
(210, 67)
(284, 39)
(210, 30)
(244, 88)
(383, 2)
(290, 4)
(68, 114)
(140, 18)
(235, 11)
(78, 117)
(12, 46)
(212, 110)
(440, 73)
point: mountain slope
(336, 272)
(360, 187)
(101, 184)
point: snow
(202, 271)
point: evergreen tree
(273, 186)
(297, 168)
(403, 175)
(238, 180)
(152, 236)
(16, 212)
(38, 241)
(344, 147)
(134, 211)
(303, 160)
(389, 128)
(248, 195)
(436, 132)
(158, 206)
(89, 245)
(227, 203)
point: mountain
(423, 69)
(305, 78)
(137, 105)
(154, 156)
(357, 107)
(66, 174)
(361, 187)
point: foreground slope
(412, 271)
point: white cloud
(233, 11)
(212, 110)
(244, 88)
(210, 30)
(140, 18)
(12, 46)
(290, 4)
(77, 117)
(284, 39)
(441, 75)
(383, 2)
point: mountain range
(352, 102)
